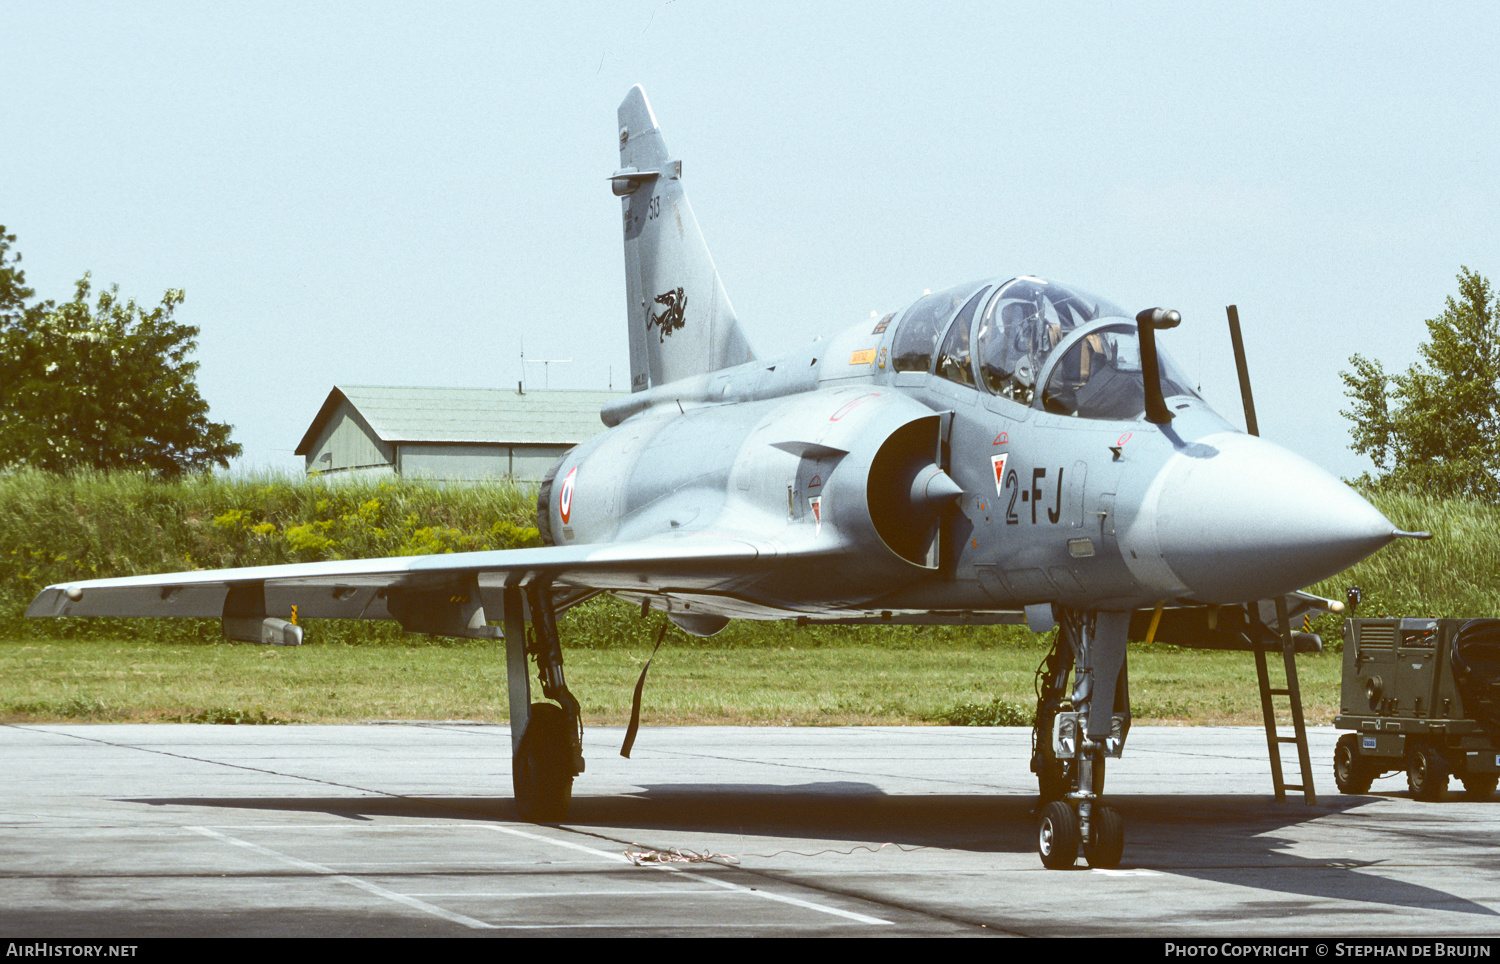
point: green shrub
(97, 525)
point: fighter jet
(1012, 449)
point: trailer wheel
(1426, 772)
(1352, 773)
(1480, 786)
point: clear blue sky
(399, 194)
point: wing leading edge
(374, 588)
(690, 565)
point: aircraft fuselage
(823, 448)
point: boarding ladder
(1261, 642)
(1267, 642)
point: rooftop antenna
(545, 363)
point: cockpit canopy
(1009, 339)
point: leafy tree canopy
(13, 290)
(1436, 427)
(100, 383)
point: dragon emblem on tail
(670, 319)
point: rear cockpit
(1039, 344)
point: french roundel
(565, 496)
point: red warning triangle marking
(998, 461)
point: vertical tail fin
(681, 322)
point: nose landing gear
(1075, 733)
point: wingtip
(53, 601)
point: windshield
(1098, 375)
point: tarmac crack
(816, 888)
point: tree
(13, 290)
(103, 386)
(1436, 427)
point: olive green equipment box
(1423, 696)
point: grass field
(868, 683)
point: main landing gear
(546, 738)
(1076, 731)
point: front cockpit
(1039, 344)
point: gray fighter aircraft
(1005, 450)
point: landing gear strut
(1054, 776)
(1076, 731)
(546, 738)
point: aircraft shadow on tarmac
(1228, 838)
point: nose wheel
(1108, 844)
(1060, 835)
(1057, 836)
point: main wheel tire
(1426, 772)
(1108, 845)
(541, 771)
(1057, 836)
(1480, 786)
(1351, 772)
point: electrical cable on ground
(643, 856)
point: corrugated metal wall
(348, 443)
(524, 463)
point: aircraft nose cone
(1238, 518)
